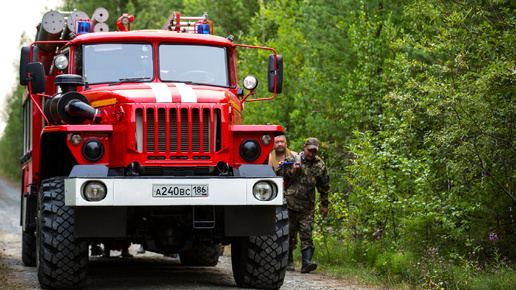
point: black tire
(201, 255)
(29, 248)
(62, 260)
(261, 262)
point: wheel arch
(56, 158)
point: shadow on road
(155, 272)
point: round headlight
(61, 62)
(93, 150)
(263, 191)
(76, 139)
(94, 191)
(250, 82)
(250, 150)
(266, 139)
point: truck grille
(175, 130)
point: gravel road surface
(143, 271)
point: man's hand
(295, 166)
(324, 211)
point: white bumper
(139, 191)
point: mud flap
(100, 221)
(242, 221)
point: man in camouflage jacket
(302, 177)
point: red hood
(157, 93)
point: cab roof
(151, 36)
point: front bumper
(138, 191)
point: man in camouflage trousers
(302, 176)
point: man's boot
(107, 251)
(96, 250)
(290, 264)
(308, 265)
(125, 253)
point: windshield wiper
(176, 81)
(130, 80)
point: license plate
(180, 190)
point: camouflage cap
(312, 143)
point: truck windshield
(118, 62)
(193, 64)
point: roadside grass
(379, 266)
(502, 280)
(355, 274)
(5, 273)
(333, 259)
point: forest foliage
(414, 102)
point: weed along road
(143, 271)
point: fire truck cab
(137, 137)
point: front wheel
(62, 259)
(261, 262)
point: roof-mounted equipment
(123, 21)
(201, 25)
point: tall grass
(393, 265)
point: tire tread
(63, 259)
(261, 261)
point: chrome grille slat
(206, 130)
(150, 130)
(173, 130)
(162, 130)
(184, 130)
(195, 130)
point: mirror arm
(244, 98)
(33, 100)
(262, 99)
(249, 94)
(275, 76)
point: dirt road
(143, 271)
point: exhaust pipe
(84, 110)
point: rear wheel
(62, 259)
(201, 255)
(261, 262)
(29, 248)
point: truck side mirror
(277, 71)
(37, 77)
(25, 60)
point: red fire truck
(137, 137)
